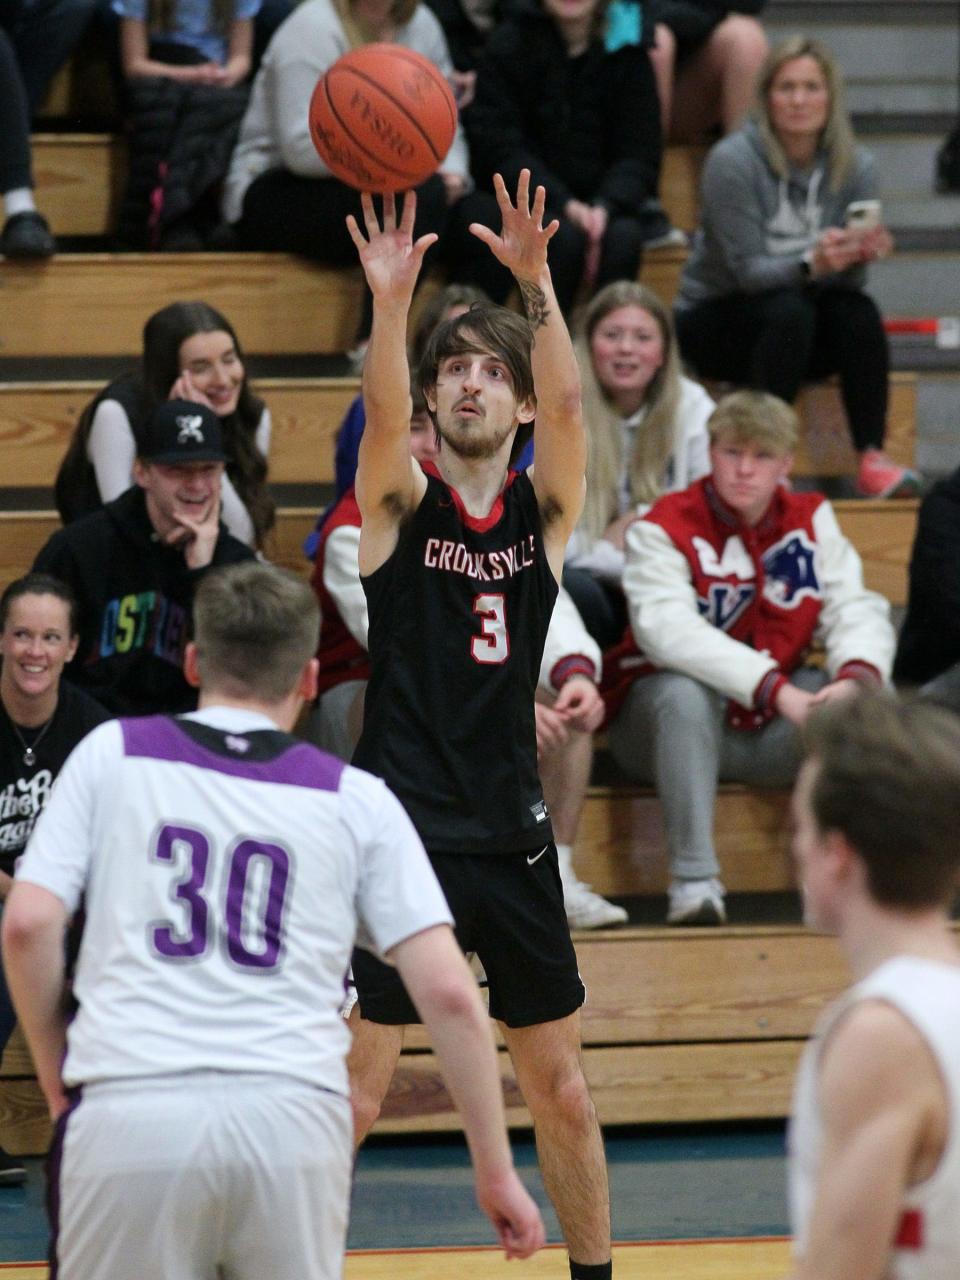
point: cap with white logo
(181, 431)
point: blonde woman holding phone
(772, 295)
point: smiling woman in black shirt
(41, 721)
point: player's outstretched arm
(388, 483)
(34, 922)
(560, 458)
(445, 993)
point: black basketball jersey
(458, 618)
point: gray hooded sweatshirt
(756, 226)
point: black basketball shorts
(508, 908)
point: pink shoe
(878, 477)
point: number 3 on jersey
(493, 644)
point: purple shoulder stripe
(297, 765)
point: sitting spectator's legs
(622, 251)
(25, 232)
(851, 342)
(44, 34)
(285, 213)
(669, 733)
(944, 688)
(714, 86)
(672, 732)
(15, 169)
(601, 605)
(764, 341)
(468, 259)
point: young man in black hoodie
(134, 565)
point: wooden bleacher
(678, 1026)
(37, 419)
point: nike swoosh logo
(531, 861)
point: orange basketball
(382, 118)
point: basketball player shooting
(460, 563)
(203, 1120)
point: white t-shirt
(927, 1242)
(225, 875)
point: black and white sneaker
(27, 235)
(657, 230)
(13, 1172)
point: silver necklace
(29, 752)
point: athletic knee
(563, 1096)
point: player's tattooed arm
(534, 303)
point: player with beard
(460, 563)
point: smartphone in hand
(863, 215)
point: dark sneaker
(27, 235)
(12, 1170)
(657, 230)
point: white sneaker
(587, 910)
(696, 902)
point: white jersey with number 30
(225, 870)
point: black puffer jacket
(587, 127)
(181, 139)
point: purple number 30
(193, 939)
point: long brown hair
(654, 442)
(163, 335)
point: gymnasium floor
(720, 1191)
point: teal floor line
(675, 1184)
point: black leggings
(286, 213)
(471, 262)
(776, 341)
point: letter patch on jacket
(790, 569)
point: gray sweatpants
(671, 731)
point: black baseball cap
(182, 431)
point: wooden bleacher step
(37, 419)
(78, 180)
(95, 304)
(92, 304)
(882, 531)
(678, 1026)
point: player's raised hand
(390, 257)
(522, 243)
(515, 1217)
